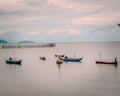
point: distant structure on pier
(118, 24)
(27, 45)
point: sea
(37, 77)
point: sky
(59, 20)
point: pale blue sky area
(59, 20)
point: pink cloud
(22, 5)
(71, 31)
(76, 6)
(98, 19)
(16, 19)
(30, 19)
(13, 5)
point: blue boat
(72, 59)
(10, 61)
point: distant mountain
(3, 41)
(26, 42)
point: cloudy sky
(59, 20)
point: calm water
(46, 78)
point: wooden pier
(33, 45)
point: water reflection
(12, 71)
(110, 70)
(59, 66)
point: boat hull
(59, 61)
(104, 62)
(14, 62)
(72, 59)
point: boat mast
(100, 55)
(74, 54)
(14, 55)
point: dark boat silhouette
(42, 58)
(10, 61)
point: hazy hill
(3, 41)
(26, 42)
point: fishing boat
(13, 61)
(73, 59)
(10, 61)
(106, 62)
(66, 59)
(42, 58)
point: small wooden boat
(42, 58)
(72, 59)
(106, 62)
